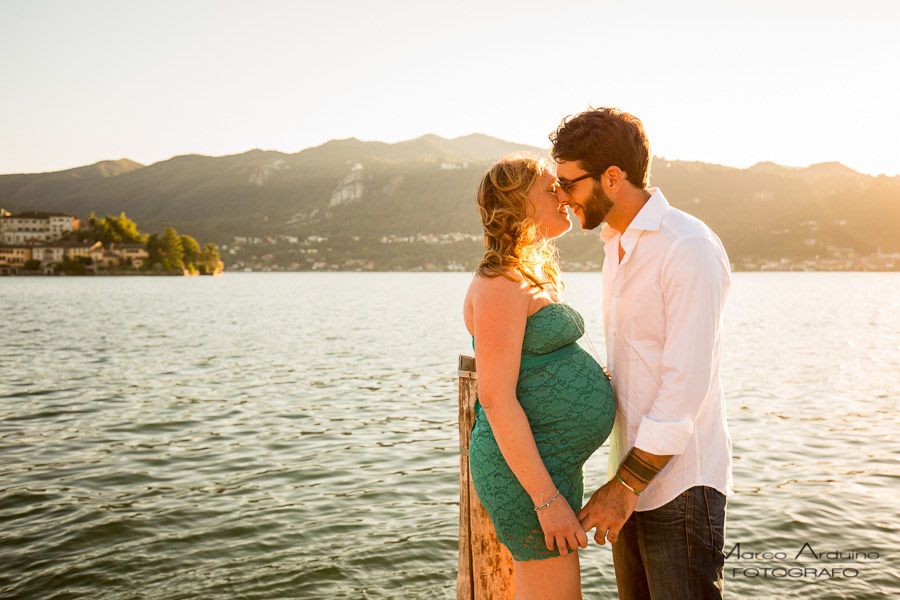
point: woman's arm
(499, 312)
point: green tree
(125, 230)
(209, 259)
(191, 250)
(154, 251)
(111, 229)
(32, 264)
(172, 252)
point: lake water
(294, 435)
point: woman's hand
(561, 527)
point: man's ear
(616, 177)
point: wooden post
(485, 566)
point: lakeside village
(43, 243)
(54, 243)
(445, 252)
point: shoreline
(113, 274)
(417, 271)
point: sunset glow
(795, 83)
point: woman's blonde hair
(511, 239)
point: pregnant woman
(544, 404)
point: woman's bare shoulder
(497, 289)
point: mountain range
(368, 190)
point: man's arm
(695, 282)
(640, 467)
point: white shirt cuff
(663, 438)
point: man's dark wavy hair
(600, 138)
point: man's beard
(595, 208)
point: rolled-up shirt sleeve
(695, 280)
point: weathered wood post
(485, 565)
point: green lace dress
(570, 406)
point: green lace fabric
(570, 406)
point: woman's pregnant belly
(570, 407)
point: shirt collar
(606, 232)
(648, 218)
(651, 214)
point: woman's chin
(563, 230)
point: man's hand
(607, 510)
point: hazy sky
(794, 82)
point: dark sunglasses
(566, 184)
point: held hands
(607, 510)
(561, 527)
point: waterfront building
(52, 253)
(48, 253)
(13, 258)
(75, 250)
(35, 226)
(108, 260)
(131, 253)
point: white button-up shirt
(662, 310)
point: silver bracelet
(547, 503)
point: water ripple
(284, 435)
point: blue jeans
(674, 552)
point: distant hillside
(351, 188)
(35, 190)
